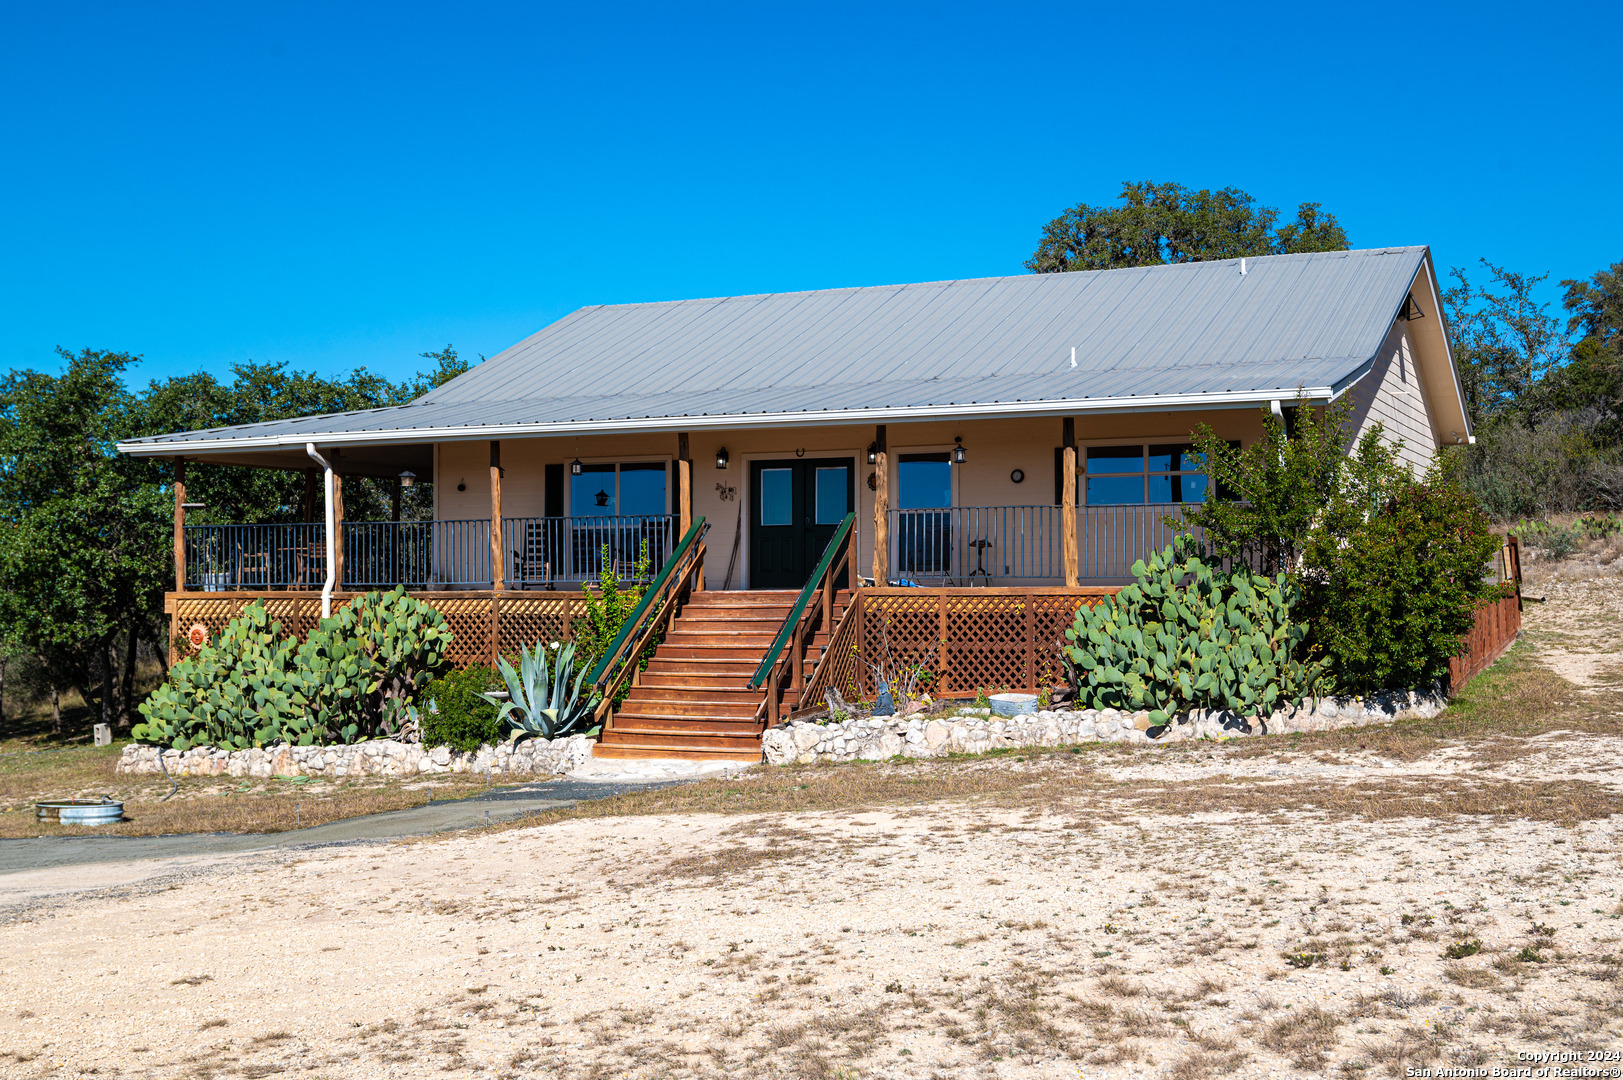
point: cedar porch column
(1067, 502)
(497, 570)
(337, 522)
(684, 485)
(881, 512)
(180, 524)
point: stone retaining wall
(975, 731)
(381, 757)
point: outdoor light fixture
(602, 497)
(873, 453)
(958, 451)
(408, 478)
(574, 467)
(722, 458)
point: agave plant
(539, 705)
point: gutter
(332, 553)
(468, 432)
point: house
(1025, 436)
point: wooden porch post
(684, 485)
(881, 512)
(309, 505)
(337, 522)
(497, 571)
(1068, 503)
(180, 524)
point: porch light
(407, 478)
(574, 467)
(958, 451)
(722, 458)
(873, 453)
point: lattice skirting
(483, 625)
(964, 640)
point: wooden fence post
(1030, 603)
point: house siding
(1393, 395)
(996, 448)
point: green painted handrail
(793, 617)
(629, 627)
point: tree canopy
(1169, 223)
(85, 552)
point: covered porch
(978, 503)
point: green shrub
(609, 606)
(1187, 635)
(354, 677)
(458, 714)
(1390, 599)
(1391, 567)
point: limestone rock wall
(381, 757)
(975, 731)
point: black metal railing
(538, 552)
(544, 551)
(224, 557)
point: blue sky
(337, 185)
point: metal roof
(1189, 334)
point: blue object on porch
(885, 705)
(903, 583)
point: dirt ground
(1445, 893)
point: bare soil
(1437, 893)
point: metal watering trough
(104, 811)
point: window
(1144, 473)
(833, 493)
(605, 490)
(925, 481)
(777, 496)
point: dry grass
(200, 804)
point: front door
(796, 505)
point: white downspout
(1279, 413)
(332, 552)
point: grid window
(1143, 473)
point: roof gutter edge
(1162, 403)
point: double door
(795, 507)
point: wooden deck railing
(814, 606)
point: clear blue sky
(336, 186)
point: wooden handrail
(793, 631)
(652, 612)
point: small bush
(458, 714)
(1461, 949)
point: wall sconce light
(722, 458)
(574, 467)
(873, 453)
(407, 478)
(462, 485)
(958, 451)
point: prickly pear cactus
(354, 677)
(1186, 635)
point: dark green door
(796, 505)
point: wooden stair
(694, 701)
